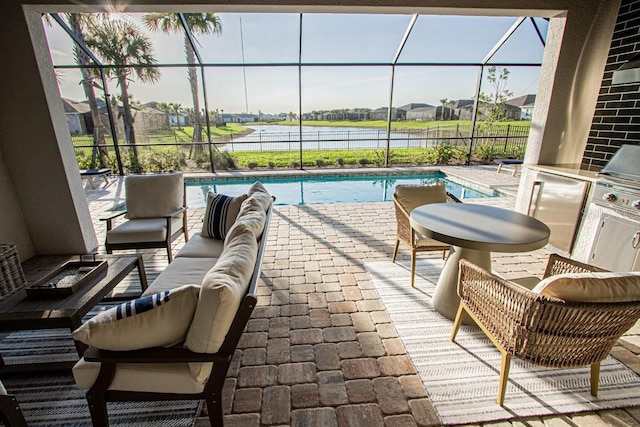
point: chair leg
(395, 251)
(169, 254)
(413, 268)
(10, 412)
(595, 379)
(457, 322)
(98, 409)
(504, 376)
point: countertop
(570, 171)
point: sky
(261, 38)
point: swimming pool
(326, 189)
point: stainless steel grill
(618, 186)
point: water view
(285, 137)
(327, 189)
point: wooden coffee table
(22, 312)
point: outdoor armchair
(571, 319)
(156, 214)
(405, 199)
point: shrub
(223, 160)
(320, 163)
(271, 164)
(440, 154)
(363, 161)
(294, 165)
(252, 165)
(485, 152)
(340, 161)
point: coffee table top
(480, 227)
(19, 306)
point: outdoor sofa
(177, 340)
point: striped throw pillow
(157, 320)
(220, 214)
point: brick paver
(320, 349)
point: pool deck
(314, 279)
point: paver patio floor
(317, 348)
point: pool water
(326, 189)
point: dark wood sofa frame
(99, 394)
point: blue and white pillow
(158, 320)
(220, 214)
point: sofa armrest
(153, 355)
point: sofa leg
(98, 409)
(213, 393)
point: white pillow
(220, 214)
(158, 320)
(223, 288)
(251, 216)
(591, 287)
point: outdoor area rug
(461, 378)
(52, 399)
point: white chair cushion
(181, 271)
(142, 230)
(201, 247)
(223, 288)
(412, 196)
(220, 214)
(591, 287)
(158, 320)
(153, 196)
(153, 377)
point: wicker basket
(11, 274)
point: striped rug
(461, 378)
(52, 399)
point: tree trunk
(193, 83)
(130, 135)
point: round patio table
(474, 231)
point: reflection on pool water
(326, 189)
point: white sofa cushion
(157, 320)
(223, 288)
(153, 377)
(180, 271)
(142, 230)
(252, 216)
(201, 247)
(591, 287)
(154, 195)
(220, 214)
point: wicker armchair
(539, 329)
(405, 199)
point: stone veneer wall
(617, 116)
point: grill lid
(625, 164)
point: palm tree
(443, 101)
(177, 110)
(77, 22)
(120, 42)
(199, 23)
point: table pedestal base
(445, 298)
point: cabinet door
(614, 248)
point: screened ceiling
(269, 62)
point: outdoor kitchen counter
(569, 171)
